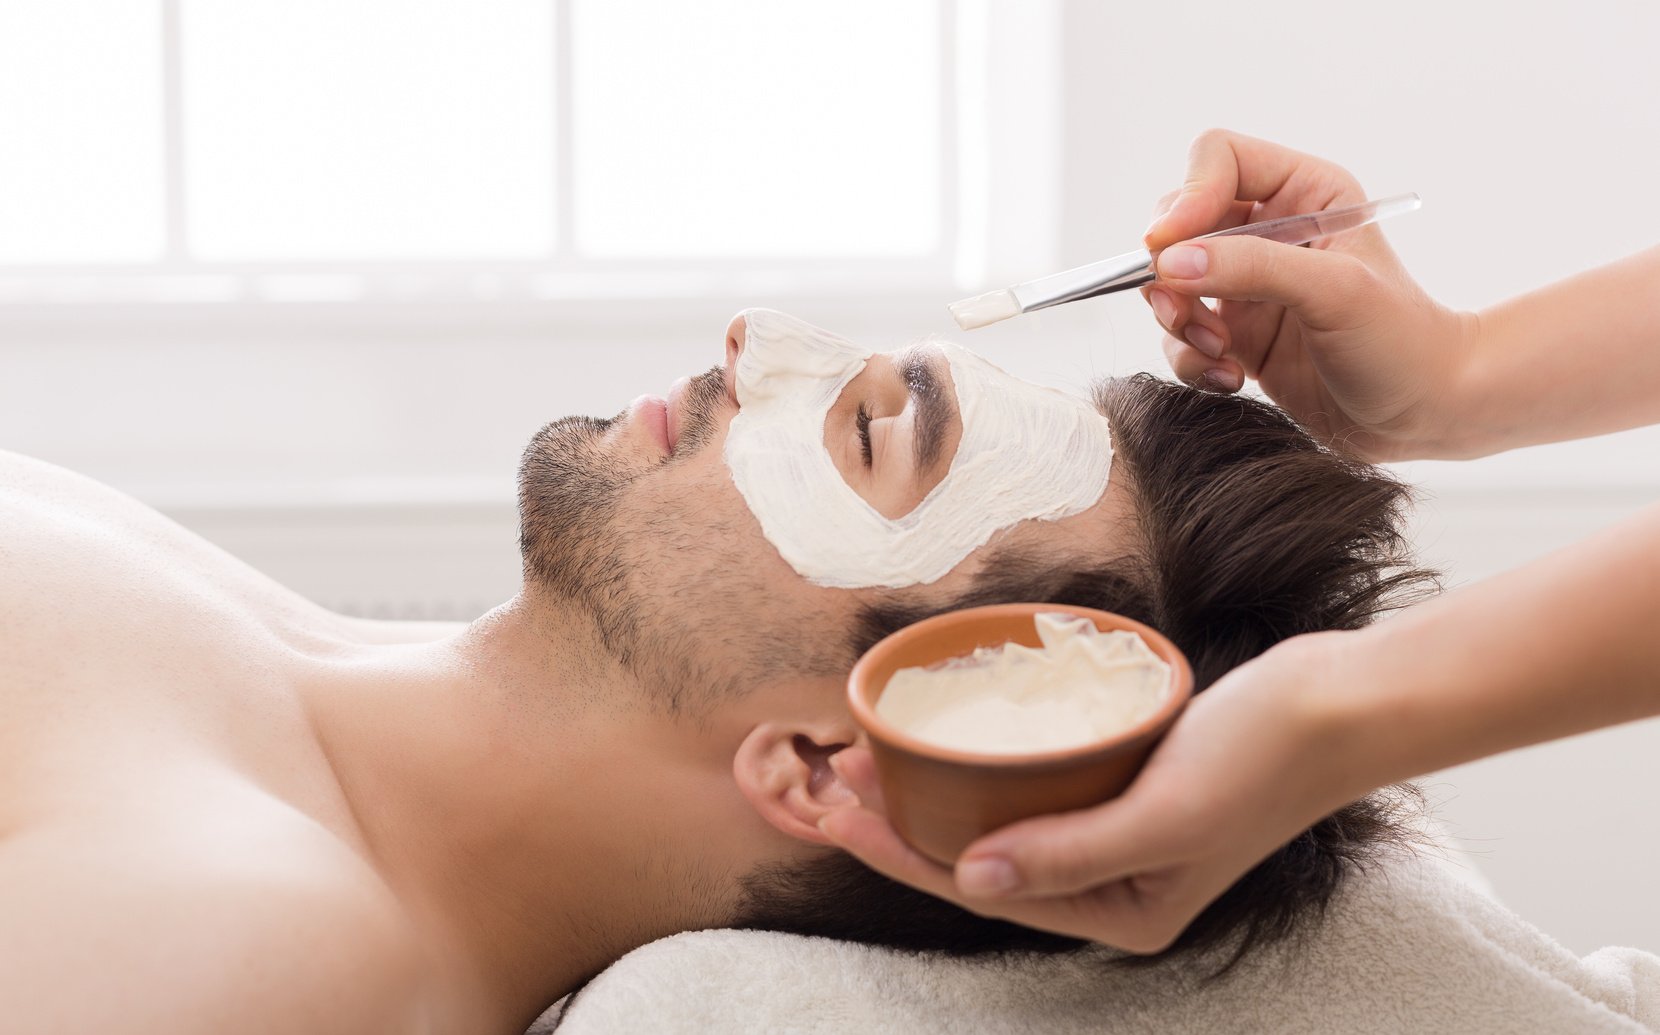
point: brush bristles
(985, 309)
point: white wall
(372, 468)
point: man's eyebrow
(920, 368)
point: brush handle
(1314, 225)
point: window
(81, 165)
(364, 130)
(222, 150)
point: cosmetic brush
(1133, 269)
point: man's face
(637, 520)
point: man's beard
(570, 492)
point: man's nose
(735, 333)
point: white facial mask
(1026, 452)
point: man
(223, 808)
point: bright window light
(336, 130)
(80, 131)
(741, 128)
(366, 150)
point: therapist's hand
(1337, 332)
(1250, 764)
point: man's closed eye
(862, 421)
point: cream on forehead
(1026, 452)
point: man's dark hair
(1248, 533)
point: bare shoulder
(102, 557)
(26, 481)
(98, 938)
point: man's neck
(516, 805)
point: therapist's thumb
(1067, 853)
(1330, 290)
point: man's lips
(652, 412)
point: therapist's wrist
(1459, 425)
(1354, 723)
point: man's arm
(91, 943)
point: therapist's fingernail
(826, 826)
(986, 877)
(1163, 217)
(1218, 379)
(1183, 262)
(1164, 307)
(1205, 340)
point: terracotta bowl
(941, 799)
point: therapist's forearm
(1579, 357)
(1567, 644)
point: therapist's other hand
(1247, 767)
(1337, 333)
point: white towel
(1410, 945)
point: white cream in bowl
(1082, 686)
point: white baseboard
(420, 560)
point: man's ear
(784, 771)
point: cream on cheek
(1026, 452)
